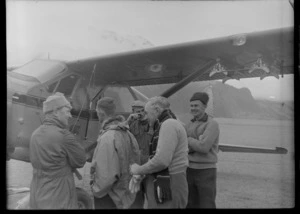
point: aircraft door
(25, 118)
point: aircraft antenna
(91, 77)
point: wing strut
(198, 72)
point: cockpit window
(42, 70)
(51, 87)
(66, 85)
(122, 96)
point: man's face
(64, 114)
(101, 115)
(197, 108)
(151, 113)
(137, 110)
(140, 111)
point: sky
(68, 30)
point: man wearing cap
(203, 139)
(140, 128)
(54, 155)
(116, 150)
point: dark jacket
(54, 154)
(140, 130)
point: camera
(140, 116)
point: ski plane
(255, 54)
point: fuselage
(26, 94)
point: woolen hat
(138, 103)
(54, 102)
(107, 104)
(202, 96)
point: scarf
(202, 119)
(166, 114)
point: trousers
(202, 188)
(104, 203)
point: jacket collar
(114, 123)
(202, 119)
(51, 119)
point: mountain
(226, 102)
(280, 110)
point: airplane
(83, 82)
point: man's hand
(134, 116)
(190, 139)
(134, 168)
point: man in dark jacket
(140, 128)
(54, 155)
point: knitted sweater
(171, 151)
(203, 139)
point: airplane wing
(250, 149)
(256, 54)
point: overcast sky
(68, 30)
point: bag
(162, 190)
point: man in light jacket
(116, 150)
(54, 155)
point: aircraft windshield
(43, 70)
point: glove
(131, 185)
(134, 187)
(135, 183)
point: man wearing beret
(116, 150)
(54, 155)
(139, 127)
(203, 139)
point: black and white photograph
(150, 104)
